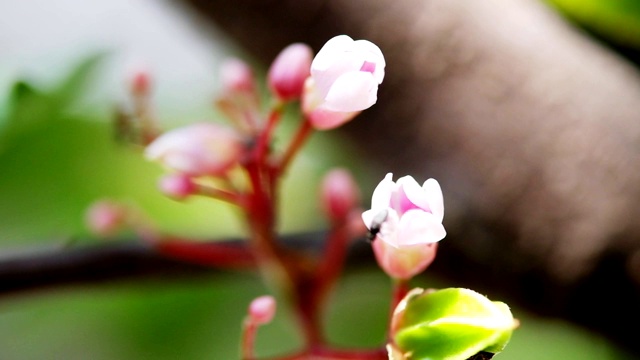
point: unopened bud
(289, 71)
(237, 76)
(262, 309)
(177, 186)
(199, 149)
(106, 217)
(140, 83)
(339, 194)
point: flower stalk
(238, 165)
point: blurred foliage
(58, 155)
(617, 21)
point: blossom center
(400, 202)
(369, 67)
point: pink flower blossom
(289, 71)
(407, 222)
(345, 75)
(198, 149)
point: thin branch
(128, 259)
(90, 264)
(526, 285)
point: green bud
(449, 324)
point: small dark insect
(376, 223)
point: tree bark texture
(531, 127)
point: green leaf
(29, 108)
(451, 324)
(77, 81)
(616, 20)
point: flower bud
(262, 310)
(140, 83)
(177, 186)
(339, 194)
(237, 76)
(405, 220)
(197, 150)
(345, 75)
(106, 217)
(289, 71)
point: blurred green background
(58, 87)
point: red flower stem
(400, 288)
(335, 354)
(249, 330)
(282, 269)
(262, 145)
(223, 195)
(332, 261)
(324, 353)
(299, 139)
(249, 120)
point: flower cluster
(236, 163)
(336, 85)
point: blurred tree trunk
(532, 129)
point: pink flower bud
(106, 217)
(339, 194)
(262, 310)
(289, 71)
(177, 186)
(198, 149)
(140, 83)
(407, 222)
(345, 75)
(237, 76)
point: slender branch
(130, 259)
(91, 264)
(231, 255)
(219, 194)
(333, 354)
(264, 140)
(249, 333)
(528, 287)
(332, 261)
(300, 137)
